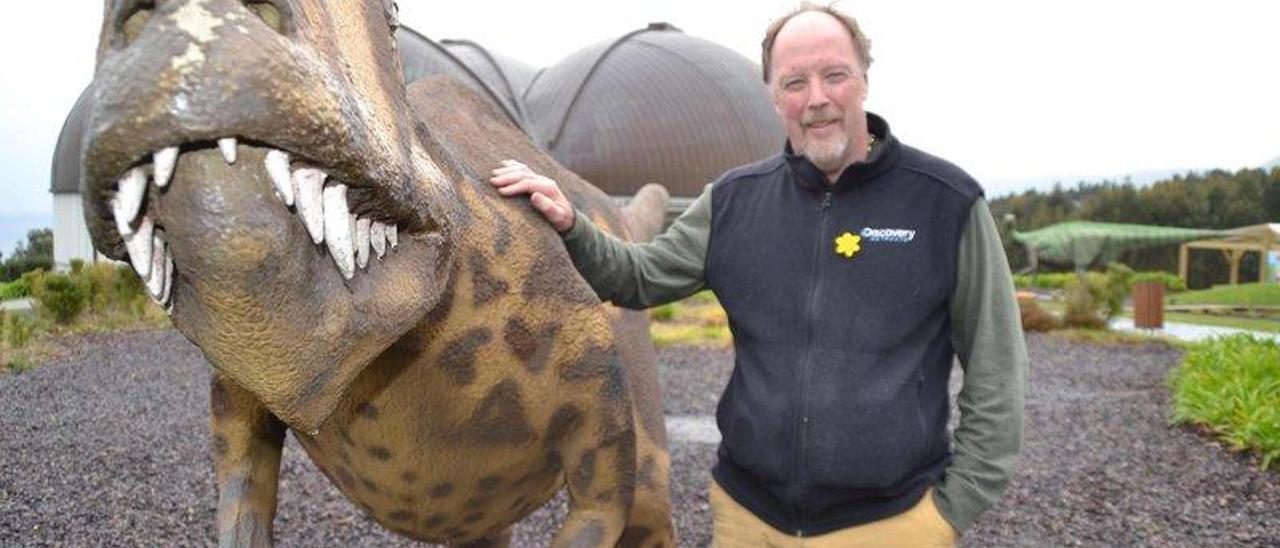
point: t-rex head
(258, 164)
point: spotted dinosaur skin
(451, 385)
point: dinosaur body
(437, 357)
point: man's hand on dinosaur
(516, 178)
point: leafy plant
(63, 297)
(16, 289)
(664, 313)
(17, 330)
(1231, 387)
(1035, 317)
(35, 253)
(1172, 283)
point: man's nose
(818, 97)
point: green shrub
(1172, 283)
(1115, 289)
(1035, 317)
(1083, 305)
(35, 282)
(19, 364)
(16, 289)
(664, 313)
(100, 279)
(1231, 386)
(17, 330)
(77, 266)
(1060, 280)
(1093, 302)
(63, 297)
(128, 284)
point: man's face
(818, 87)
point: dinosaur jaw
(350, 223)
(267, 260)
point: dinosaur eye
(133, 19)
(268, 12)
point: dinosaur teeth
(168, 279)
(337, 229)
(277, 164)
(362, 243)
(165, 160)
(378, 238)
(128, 201)
(392, 236)
(138, 243)
(159, 252)
(228, 147)
(310, 187)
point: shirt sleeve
(641, 275)
(988, 339)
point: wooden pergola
(1261, 239)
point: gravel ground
(109, 446)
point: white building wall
(70, 235)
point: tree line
(36, 252)
(1215, 199)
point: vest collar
(882, 157)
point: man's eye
(793, 85)
(837, 77)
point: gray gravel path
(108, 446)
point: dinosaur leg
(247, 442)
(600, 469)
(497, 540)
(649, 525)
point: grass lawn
(1255, 324)
(1237, 295)
(698, 320)
(1229, 387)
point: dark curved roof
(506, 75)
(65, 177)
(421, 56)
(654, 106)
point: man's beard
(827, 154)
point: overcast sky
(1009, 90)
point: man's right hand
(516, 178)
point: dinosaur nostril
(134, 20)
(269, 13)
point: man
(852, 268)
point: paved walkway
(16, 304)
(1188, 332)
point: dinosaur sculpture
(329, 240)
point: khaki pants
(922, 525)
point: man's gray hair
(861, 44)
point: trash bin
(1148, 305)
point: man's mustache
(820, 117)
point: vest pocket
(867, 437)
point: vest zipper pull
(826, 200)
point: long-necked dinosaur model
(327, 237)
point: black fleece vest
(838, 297)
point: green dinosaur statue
(329, 239)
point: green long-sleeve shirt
(985, 324)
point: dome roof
(65, 177)
(508, 76)
(422, 56)
(653, 106)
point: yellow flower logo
(848, 244)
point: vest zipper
(810, 319)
